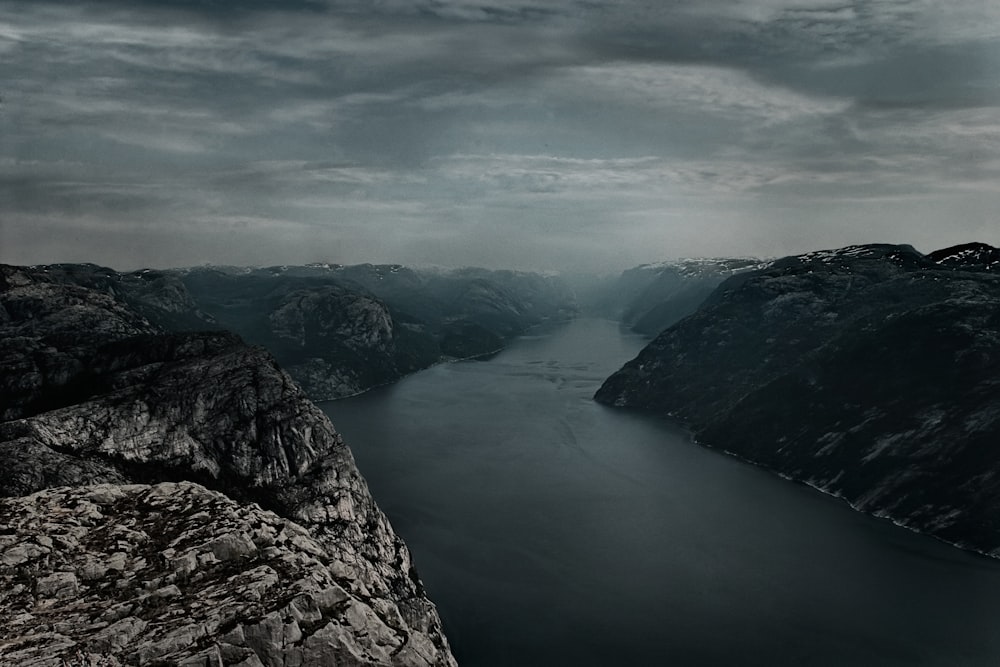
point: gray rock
(282, 606)
(117, 403)
(60, 585)
(231, 546)
(21, 554)
(117, 636)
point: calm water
(551, 530)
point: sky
(530, 134)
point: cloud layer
(536, 133)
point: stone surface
(273, 600)
(159, 296)
(870, 372)
(119, 403)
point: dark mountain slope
(651, 297)
(674, 290)
(872, 372)
(343, 329)
(158, 296)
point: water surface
(551, 530)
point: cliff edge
(94, 394)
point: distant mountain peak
(968, 255)
(849, 258)
(860, 251)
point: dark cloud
(212, 8)
(534, 132)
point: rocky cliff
(97, 395)
(870, 372)
(159, 296)
(342, 329)
(175, 574)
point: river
(551, 530)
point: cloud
(701, 89)
(489, 127)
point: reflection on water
(554, 531)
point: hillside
(870, 372)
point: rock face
(342, 329)
(870, 372)
(106, 399)
(159, 296)
(175, 574)
(335, 342)
(49, 330)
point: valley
(544, 526)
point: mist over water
(551, 530)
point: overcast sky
(549, 134)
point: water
(551, 530)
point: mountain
(94, 394)
(342, 329)
(671, 291)
(651, 297)
(870, 372)
(159, 296)
(175, 574)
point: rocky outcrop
(329, 314)
(47, 333)
(158, 296)
(869, 372)
(335, 338)
(119, 403)
(175, 574)
(335, 342)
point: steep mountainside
(871, 372)
(98, 396)
(651, 297)
(342, 329)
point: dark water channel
(553, 531)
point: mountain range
(870, 372)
